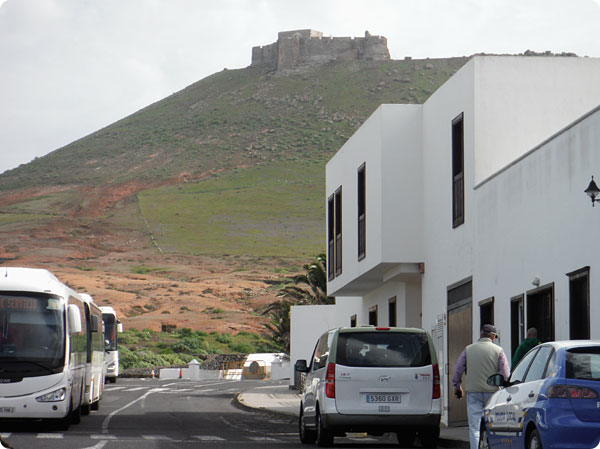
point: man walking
(479, 361)
(530, 342)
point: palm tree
(309, 288)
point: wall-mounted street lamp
(593, 191)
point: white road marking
(55, 436)
(106, 421)
(263, 439)
(208, 438)
(156, 437)
(99, 445)
(103, 437)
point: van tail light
(330, 381)
(436, 382)
(571, 392)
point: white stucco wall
(521, 101)
(534, 220)
(389, 144)
(308, 323)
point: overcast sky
(71, 67)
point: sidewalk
(278, 397)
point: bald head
(532, 332)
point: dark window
(392, 312)
(486, 311)
(331, 237)
(579, 304)
(383, 349)
(583, 363)
(353, 321)
(338, 232)
(373, 316)
(362, 207)
(458, 177)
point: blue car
(551, 400)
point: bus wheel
(85, 410)
(95, 405)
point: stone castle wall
(302, 47)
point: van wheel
(406, 438)
(430, 436)
(324, 436)
(534, 442)
(307, 436)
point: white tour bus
(95, 369)
(112, 326)
(43, 347)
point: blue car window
(537, 369)
(521, 369)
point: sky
(71, 67)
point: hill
(221, 182)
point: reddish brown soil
(94, 255)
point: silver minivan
(374, 380)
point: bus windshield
(32, 337)
(110, 331)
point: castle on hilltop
(302, 47)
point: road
(161, 414)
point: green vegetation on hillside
(267, 211)
(146, 348)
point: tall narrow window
(373, 316)
(353, 321)
(331, 237)
(362, 207)
(393, 322)
(579, 304)
(486, 311)
(338, 231)
(458, 176)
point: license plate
(383, 398)
(7, 409)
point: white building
(470, 209)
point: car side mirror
(301, 366)
(497, 380)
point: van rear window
(583, 363)
(386, 349)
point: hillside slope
(230, 168)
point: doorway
(517, 323)
(540, 312)
(579, 304)
(460, 334)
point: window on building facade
(392, 313)
(331, 237)
(338, 231)
(362, 207)
(334, 235)
(486, 311)
(579, 304)
(353, 321)
(373, 316)
(458, 177)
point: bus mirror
(120, 327)
(74, 319)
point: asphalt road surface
(161, 414)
